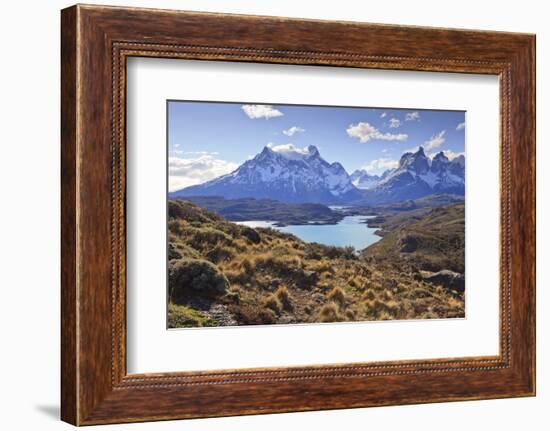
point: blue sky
(208, 139)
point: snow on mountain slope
(418, 176)
(284, 173)
(301, 175)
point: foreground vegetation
(221, 273)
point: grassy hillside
(431, 239)
(221, 273)
(426, 202)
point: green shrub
(194, 277)
(181, 316)
(251, 234)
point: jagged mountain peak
(439, 162)
(289, 152)
(313, 151)
(440, 156)
(418, 176)
(285, 173)
(266, 151)
(414, 154)
(417, 162)
(410, 156)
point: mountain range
(303, 176)
(416, 176)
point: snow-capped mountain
(365, 181)
(302, 176)
(293, 175)
(418, 176)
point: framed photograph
(264, 215)
(302, 240)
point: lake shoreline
(350, 231)
(246, 209)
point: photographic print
(296, 214)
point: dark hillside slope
(431, 239)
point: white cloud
(380, 165)
(293, 130)
(287, 148)
(261, 111)
(412, 116)
(366, 132)
(394, 123)
(187, 172)
(383, 115)
(177, 152)
(435, 141)
(290, 151)
(461, 126)
(202, 153)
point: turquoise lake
(350, 231)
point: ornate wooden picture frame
(96, 41)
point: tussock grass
(264, 276)
(273, 303)
(283, 295)
(329, 313)
(337, 296)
